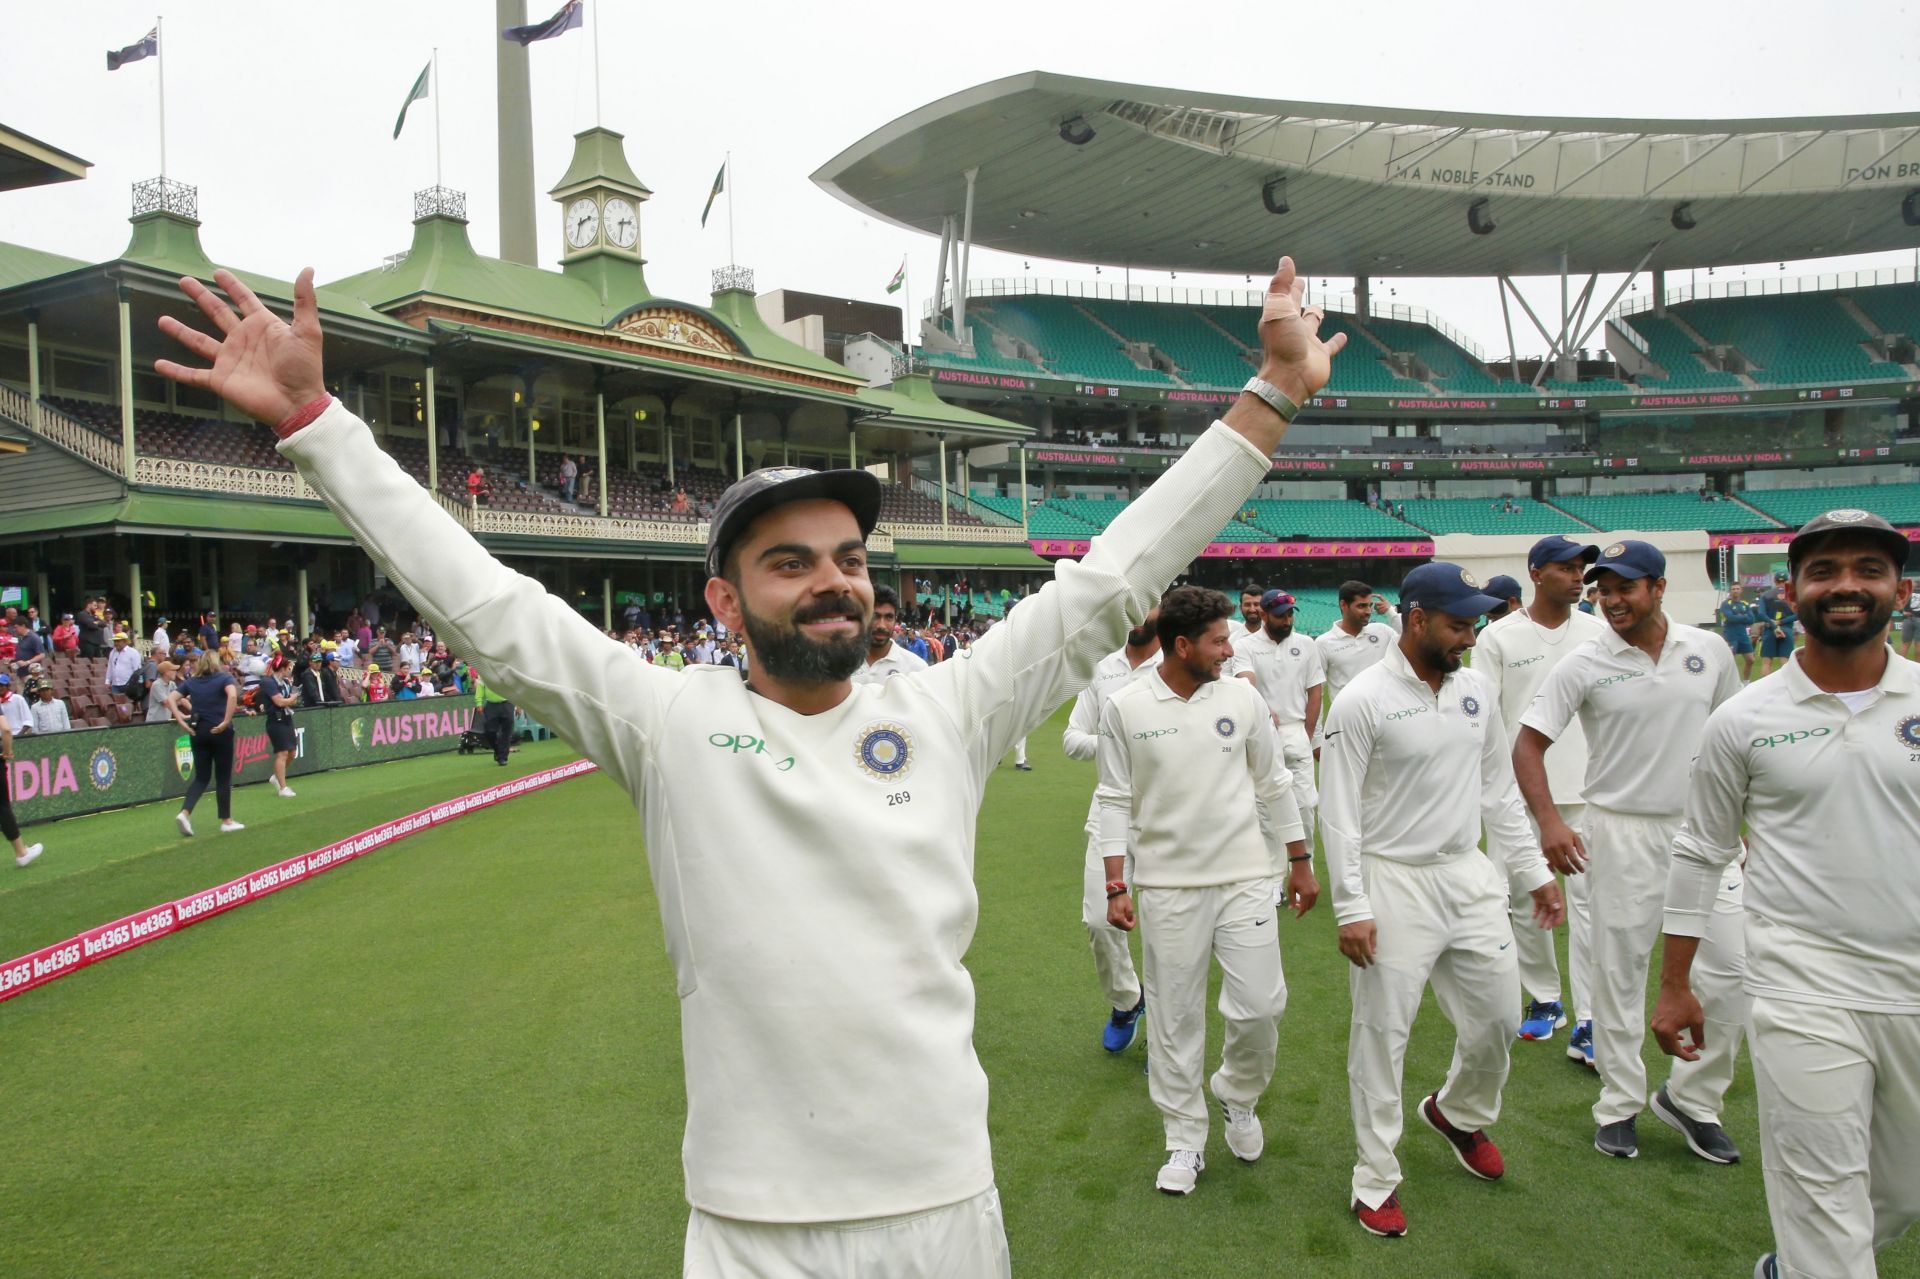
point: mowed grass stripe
(461, 1056)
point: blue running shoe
(1121, 1027)
(1580, 1044)
(1542, 1019)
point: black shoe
(1709, 1141)
(1025, 768)
(1768, 1267)
(1617, 1139)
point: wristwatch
(1275, 398)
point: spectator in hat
(66, 635)
(13, 707)
(166, 682)
(375, 683)
(123, 668)
(161, 640)
(49, 713)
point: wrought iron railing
(978, 534)
(441, 202)
(732, 277)
(69, 433)
(164, 195)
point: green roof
(910, 401)
(735, 309)
(599, 154)
(949, 555)
(169, 512)
(442, 264)
(21, 265)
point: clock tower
(599, 201)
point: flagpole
(906, 286)
(596, 68)
(436, 118)
(160, 56)
(732, 260)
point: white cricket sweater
(1285, 671)
(1516, 654)
(1081, 740)
(1828, 798)
(1410, 775)
(814, 872)
(1193, 787)
(900, 660)
(1345, 656)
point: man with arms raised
(1414, 765)
(1820, 765)
(831, 1079)
(1642, 692)
(1184, 753)
(1288, 671)
(1516, 653)
(885, 655)
(1112, 959)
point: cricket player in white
(836, 1112)
(1642, 691)
(1238, 632)
(1515, 653)
(886, 656)
(1182, 753)
(1821, 765)
(1414, 764)
(1288, 671)
(1366, 630)
(1112, 959)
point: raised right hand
(261, 365)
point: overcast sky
(282, 113)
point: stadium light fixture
(1075, 131)
(1273, 194)
(1479, 220)
(1682, 217)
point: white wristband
(1275, 398)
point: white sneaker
(180, 820)
(1245, 1138)
(26, 858)
(286, 792)
(228, 827)
(1181, 1172)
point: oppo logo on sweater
(1527, 661)
(1408, 713)
(1148, 734)
(1793, 738)
(1605, 680)
(737, 743)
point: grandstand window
(194, 400)
(13, 363)
(81, 374)
(149, 387)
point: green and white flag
(899, 278)
(719, 185)
(414, 95)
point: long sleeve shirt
(1193, 787)
(813, 872)
(1516, 654)
(51, 717)
(1736, 616)
(898, 660)
(1827, 796)
(1081, 740)
(1411, 775)
(122, 665)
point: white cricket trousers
(1112, 960)
(1297, 750)
(966, 1240)
(1628, 857)
(1839, 1132)
(1445, 924)
(1180, 930)
(1539, 963)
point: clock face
(623, 223)
(583, 222)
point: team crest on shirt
(1471, 705)
(884, 751)
(1224, 726)
(1373, 637)
(1908, 731)
(1294, 651)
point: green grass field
(459, 1056)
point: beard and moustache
(1140, 636)
(783, 652)
(1878, 613)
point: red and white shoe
(1389, 1220)
(1476, 1154)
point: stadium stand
(1361, 370)
(1324, 518)
(1652, 512)
(1007, 506)
(1454, 369)
(1201, 353)
(1070, 342)
(1678, 354)
(1790, 338)
(1896, 503)
(986, 357)
(1893, 308)
(1489, 516)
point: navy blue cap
(1441, 587)
(1558, 547)
(1277, 602)
(747, 499)
(1503, 588)
(1630, 559)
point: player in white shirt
(1241, 629)
(1366, 630)
(1414, 764)
(886, 656)
(1112, 958)
(836, 1111)
(1287, 669)
(1821, 764)
(1642, 692)
(1516, 652)
(1184, 752)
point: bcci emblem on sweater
(1471, 705)
(1908, 731)
(1224, 726)
(885, 751)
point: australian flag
(147, 46)
(567, 19)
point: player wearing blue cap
(1414, 764)
(1516, 654)
(1643, 692)
(1507, 591)
(1737, 616)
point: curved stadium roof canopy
(1171, 180)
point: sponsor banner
(1778, 537)
(1058, 548)
(85, 771)
(39, 967)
